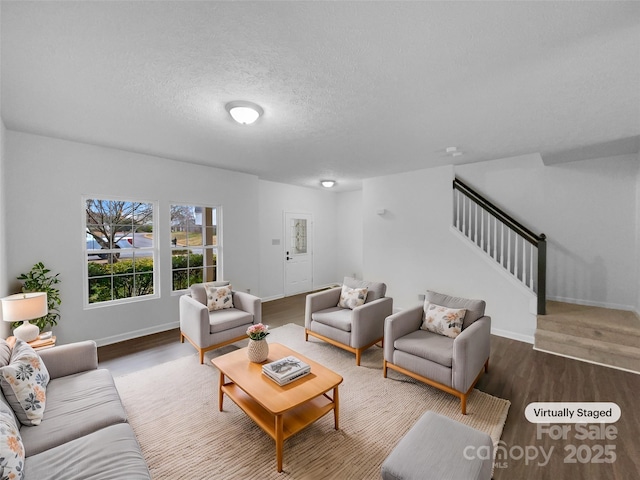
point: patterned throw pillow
(443, 320)
(24, 383)
(352, 297)
(219, 298)
(11, 447)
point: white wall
(350, 242)
(413, 249)
(274, 200)
(588, 210)
(45, 179)
(637, 259)
(5, 329)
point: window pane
(299, 235)
(123, 286)
(144, 284)
(180, 279)
(193, 234)
(209, 274)
(100, 289)
(119, 245)
(210, 236)
(195, 275)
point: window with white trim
(120, 251)
(195, 245)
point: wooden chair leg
(181, 338)
(486, 366)
(358, 354)
(384, 368)
(463, 404)
(201, 356)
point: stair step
(596, 351)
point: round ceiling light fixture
(327, 183)
(245, 113)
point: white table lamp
(23, 307)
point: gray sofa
(84, 432)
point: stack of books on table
(43, 341)
(286, 370)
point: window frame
(217, 248)
(153, 249)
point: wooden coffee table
(280, 411)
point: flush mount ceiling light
(327, 183)
(245, 113)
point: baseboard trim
(513, 335)
(137, 333)
(585, 360)
(589, 303)
(271, 298)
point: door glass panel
(299, 235)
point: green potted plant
(39, 280)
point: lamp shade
(24, 306)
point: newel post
(542, 274)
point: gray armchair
(453, 365)
(207, 330)
(352, 330)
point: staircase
(593, 334)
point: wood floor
(517, 373)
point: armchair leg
(384, 368)
(358, 355)
(181, 338)
(486, 366)
(201, 352)
(463, 403)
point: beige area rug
(173, 408)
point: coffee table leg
(279, 440)
(336, 407)
(220, 383)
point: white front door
(298, 249)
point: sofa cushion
(474, 308)
(376, 290)
(352, 297)
(111, 453)
(199, 293)
(11, 447)
(221, 320)
(442, 320)
(76, 406)
(24, 383)
(427, 345)
(335, 317)
(5, 353)
(219, 298)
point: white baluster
(531, 266)
(495, 238)
(509, 249)
(464, 215)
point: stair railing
(512, 245)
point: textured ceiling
(350, 90)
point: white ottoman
(439, 448)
